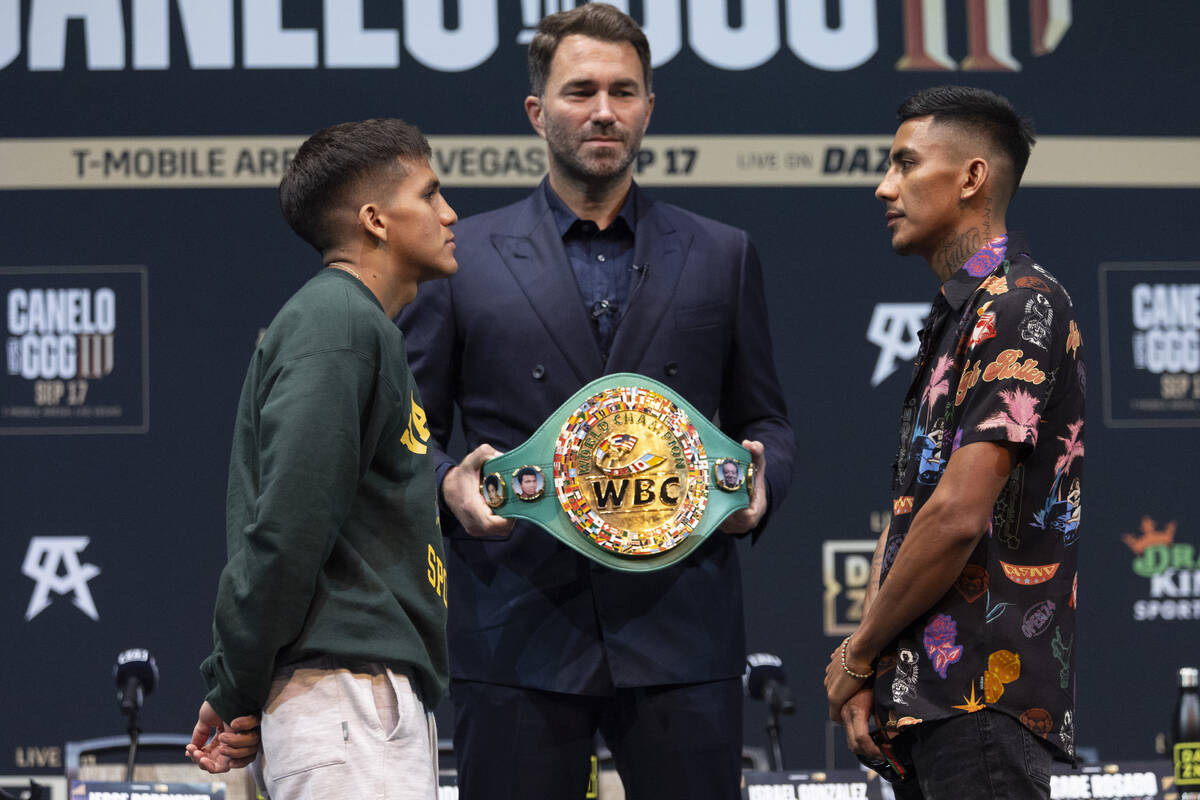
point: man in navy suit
(589, 276)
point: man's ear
(373, 222)
(533, 110)
(977, 175)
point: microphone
(602, 307)
(765, 679)
(136, 675)
(642, 271)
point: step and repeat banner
(142, 252)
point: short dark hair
(493, 481)
(980, 111)
(596, 20)
(523, 471)
(334, 163)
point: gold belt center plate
(630, 471)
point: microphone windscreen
(761, 668)
(137, 664)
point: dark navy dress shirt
(602, 261)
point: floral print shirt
(1001, 360)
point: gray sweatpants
(331, 732)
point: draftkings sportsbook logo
(1171, 569)
(74, 350)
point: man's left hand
(231, 746)
(747, 519)
(856, 716)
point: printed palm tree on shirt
(1062, 514)
(937, 388)
(1072, 450)
(1019, 417)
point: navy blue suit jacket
(507, 340)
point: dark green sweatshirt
(334, 543)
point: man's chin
(607, 170)
(602, 168)
(439, 270)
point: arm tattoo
(876, 569)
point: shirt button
(671, 368)
(600, 257)
(538, 372)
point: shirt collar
(959, 287)
(564, 217)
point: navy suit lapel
(660, 251)
(535, 256)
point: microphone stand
(134, 730)
(774, 731)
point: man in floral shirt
(965, 654)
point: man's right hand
(856, 716)
(460, 489)
(217, 747)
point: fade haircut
(978, 111)
(334, 166)
(594, 20)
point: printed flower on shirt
(995, 284)
(1019, 417)
(940, 634)
(987, 258)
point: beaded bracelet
(858, 676)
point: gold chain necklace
(344, 268)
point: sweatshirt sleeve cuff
(225, 699)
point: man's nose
(603, 110)
(886, 190)
(448, 215)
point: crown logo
(1149, 536)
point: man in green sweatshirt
(331, 609)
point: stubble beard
(900, 245)
(565, 149)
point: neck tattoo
(344, 268)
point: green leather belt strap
(625, 472)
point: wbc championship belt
(625, 472)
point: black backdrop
(199, 268)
